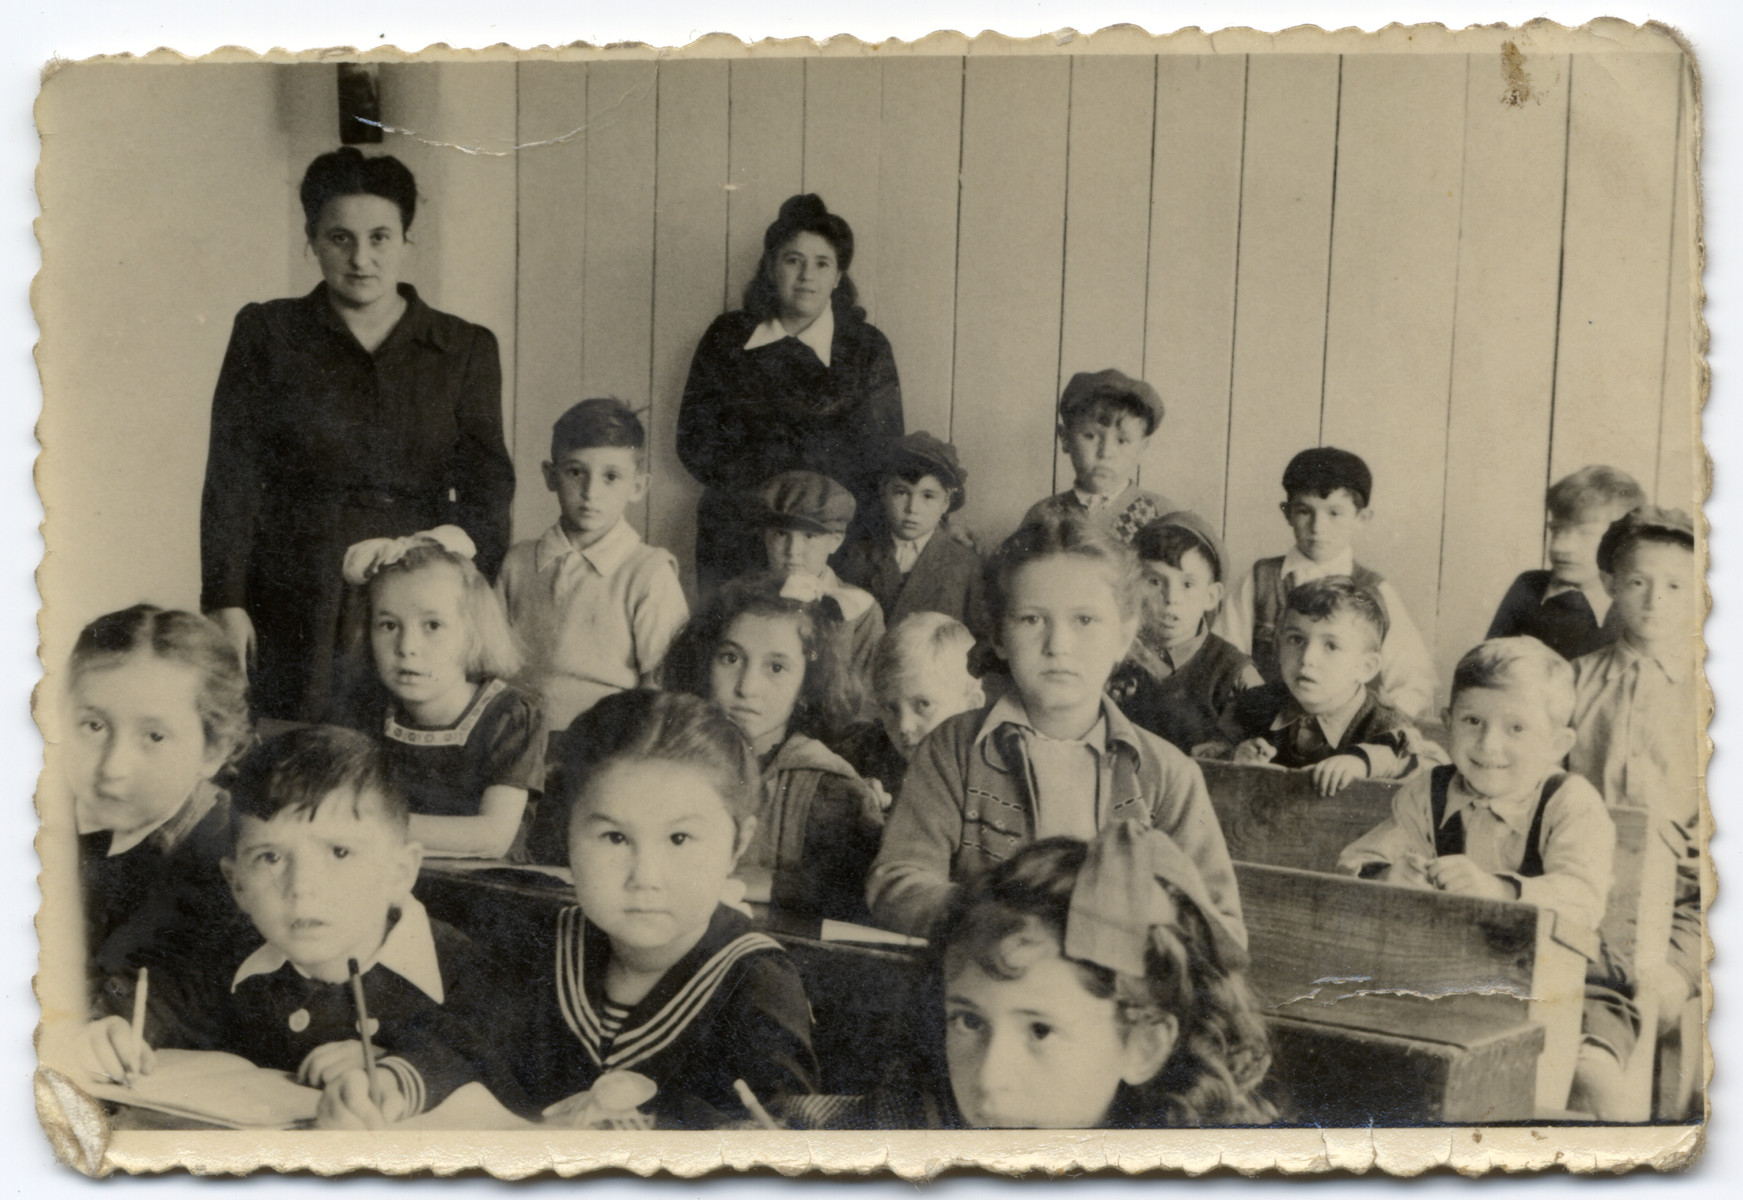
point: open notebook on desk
(216, 1089)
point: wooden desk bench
(1358, 1061)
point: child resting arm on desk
(321, 863)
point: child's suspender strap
(1450, 837)
(1531, 865)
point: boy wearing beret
(1106, 419)
(913, 563)
(804, 518)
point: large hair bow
(1120, 906)
(365, 558)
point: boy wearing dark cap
(804, 518)
(1106, 419)
(913, 563)
(1327, 492)
(1638, 730)
(1179, 676)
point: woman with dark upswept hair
(354, 412)
(795, 380)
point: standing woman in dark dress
(353, 412)
(795, 380)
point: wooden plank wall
(1375, 252)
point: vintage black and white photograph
(1111, 584)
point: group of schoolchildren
(1017, 784)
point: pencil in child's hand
(753, 1105)
(139, 1011)
(139, 1004)
(363, 1027)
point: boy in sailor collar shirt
(321, 864)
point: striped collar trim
(633, 1044)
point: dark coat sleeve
(724, 438)
(762, 1035)
(1521, 598)
(231, 500)
(481, 473)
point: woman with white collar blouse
(795, 380)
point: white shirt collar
(121, 841)
(1515, 809)
(818, 335)
(852, 601)
(1092, 502)
(1626, 653)
(919, 545)
(1008, 710)
(409, 951)
(1594, 593)
(605, 555)
(1305, 569)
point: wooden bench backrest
(1315, 937)
(1272, 815)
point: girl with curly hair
(1081, 985)
(776, 664)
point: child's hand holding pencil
(116, 1048)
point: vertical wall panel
(1008, 288)
(1195, 221)
(1610, 371)
(1279, 343)
(1389, 326)
(1503, 347)
(843, 128)
(766, 161)
(1680, 420)
(553, 191)
(1107, 219)
(689, 264)
(617, 278)
(916, 231)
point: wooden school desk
(1273, 817)
(1365, 1060)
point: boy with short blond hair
(1637, 721)
(1505, 822)
(1566, 606)
(919, 678)
(1106, 420)
(593, 605)
(913, 562)
(1179, 676)
(1327, 493)
(322, 865)
(1322, 715)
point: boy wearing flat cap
(1106, 419)
(1179, 676)
(804, 518)
(1638, 729)
(912, 563)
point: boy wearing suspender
(1504, 821)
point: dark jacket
(748, 415)
(159, 901)
(1565, 622)
(946, 578)
(276, 1018)
(317, 444)
(732, 1008)
(1185, 706)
